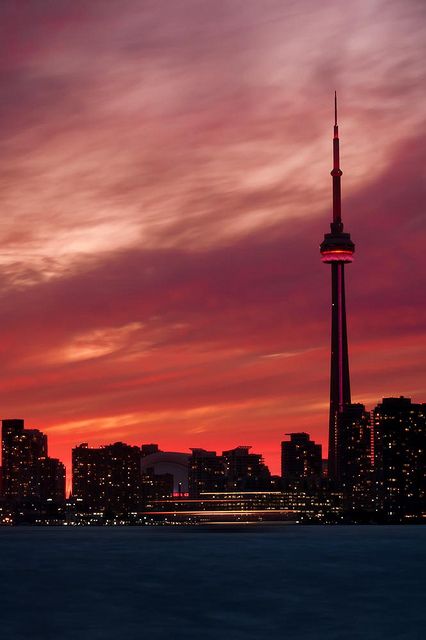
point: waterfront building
(321, 506)
(245, 471)
(172, 463)
(400, 459)
(156, 486)
(207, 472)
(356, 473)
(21, 450)
(301, 458)
(50, 480)
(108, 478)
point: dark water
(274, 582)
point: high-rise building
(301, 458)
(107, 478)
(87, 476)
(50, 480)
(245, 471)
(21, 450)
(356, 469)
(400, 458)
(156, 486)
(206, 472)
(337, 250)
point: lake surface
(253, 583)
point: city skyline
(379, 477)
(160, 273)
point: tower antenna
(335, 108)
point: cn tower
(337, 250)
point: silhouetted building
(108, 478)
(172, 463)
(301, 458)
(355, 458)
(400, 458)
(206, 472)
(50, 480)
(337, 250)
(149, 449)
(156, 486)
(245, 471)
(21, 450)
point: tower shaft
(340, 391)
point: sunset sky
(164, 187)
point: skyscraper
(400, 458)
(245, 471)
(356, 470)
(21, 449)
(107, 478)
(206, 472)
(337, 250)
(51, 480)
(301, 458)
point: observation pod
(337, 247)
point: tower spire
(335, 110)
(336, 225)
